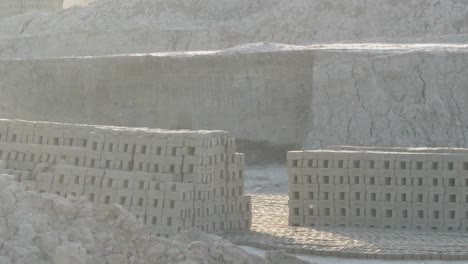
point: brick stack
(172, 180)
(378, 189)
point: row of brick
(378, 189)
(172, 180)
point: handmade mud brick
(325, 180)
(342, 215)
(111, 183)
(373, 222)
(295, 179)
(389, 213)
(310, 164)
(125, 183)
(341, 180)
(311, 221)
(403, 175)
(77, 183)
(325, 167)
(176, 209)
(464, 212)
(172, 168)
(404, 194)
(436, 212)
(296, 208)
(420, 196)
(386, 179)
(389, 223)
(180, 191)
(419, 223)
(341, 194)
(435, 180)
(454, 195)
(342, 221)
(450, 162)
(464, 226)
(436, 195)
(306, 155)
(309, 192)
(324, 208)
(371, 180)
(357, 180)
(327, 221)
(389, 194)
(357, 211)
(141, 184)
(356, 165)
(124, 197)
(326, 195)
(92, 193)
(340, 160)
(463, 180)
(357, 192)
(62, 175)
(95, 181)
(419, 180)
(311, 207)
(452, 225)
(452, 180)
(452, 211)
(461, 163)
(373, 194)
(373, 210)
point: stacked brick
(16, 7)
(172, 180)
(378, 189)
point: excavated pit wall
(129, 26)
(172, 180)
(261, 97)
(378, 189)
(390, 97)
(270, 97)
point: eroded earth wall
(384, 95)
(259, 97)
(390, 98)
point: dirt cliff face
(142, 26)
(395, 95)
(390, 98)
(260, 96)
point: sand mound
(43, 228)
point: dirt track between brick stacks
(270, 231)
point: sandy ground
(333, 260)
(270, 179)
(270, 230)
